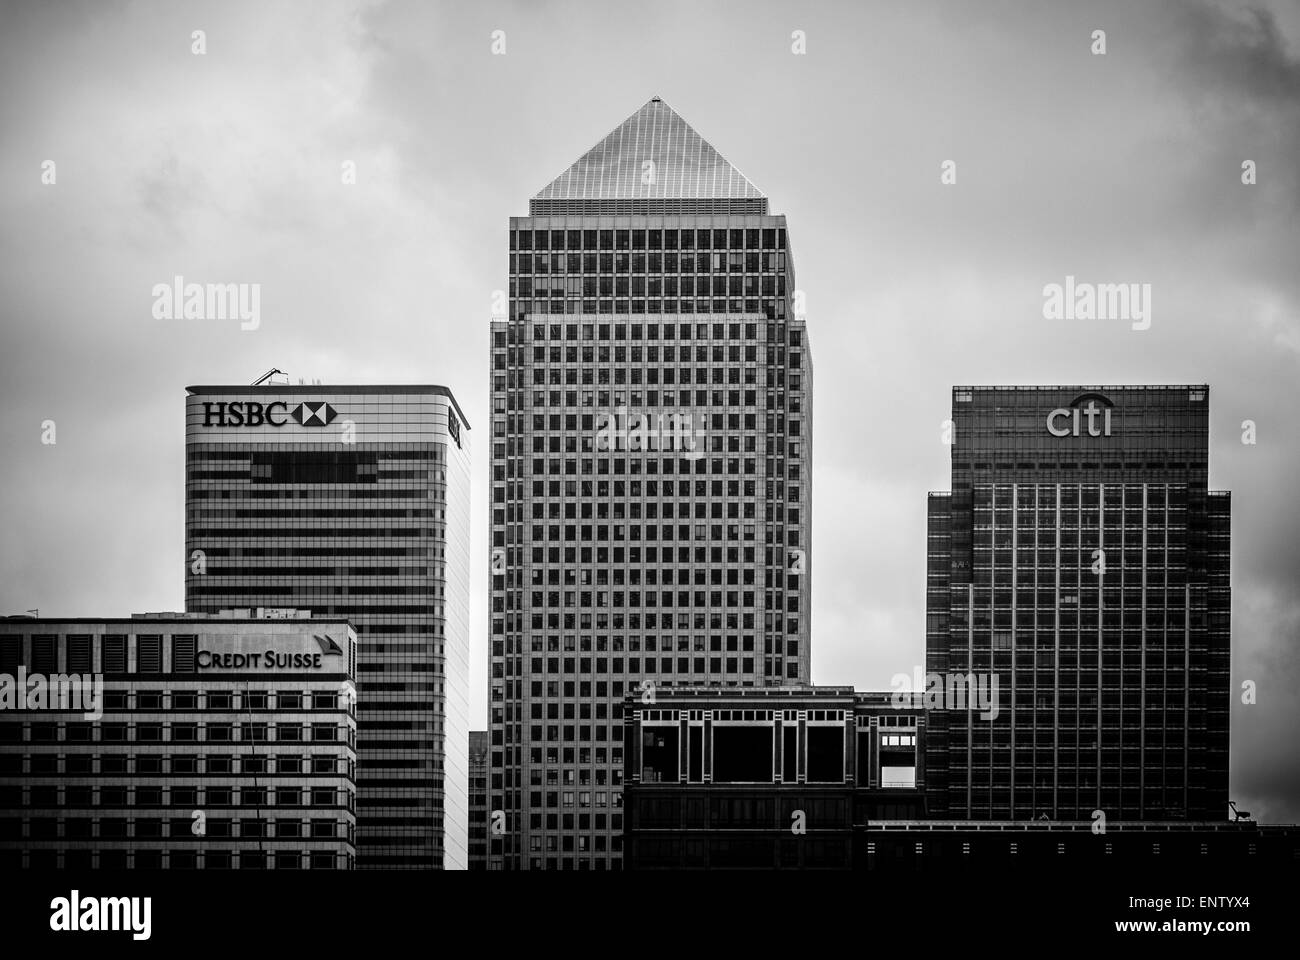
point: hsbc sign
(251, 413)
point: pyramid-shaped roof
(685, 165)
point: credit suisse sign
(241, 655)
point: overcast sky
(226, 167)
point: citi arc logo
(1090, 407)
(251, 413)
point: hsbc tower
(352, 501)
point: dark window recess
(825, 754)
(79, 654)
(864, 757)
(742, 754)
(11, 651)
(695, 744)
(183, 654)
(43, 655)
(315, 467)
(149, 654)
(790, 753)
(659, 754)
(114, 655)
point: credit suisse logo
(251, 413)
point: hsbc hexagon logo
(250, 413)
(318, 414)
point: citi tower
(1082, 558)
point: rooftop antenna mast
(268, 375)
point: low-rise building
(784, 777)
(222, 741)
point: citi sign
(1078, 419)
(251, 413)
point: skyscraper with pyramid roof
(651, 490)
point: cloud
(1239, 51)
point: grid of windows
(1091, 579)
(230, 772)
(620, 562)
(372, 527)
(478, 796)
(666, 270)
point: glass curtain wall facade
(651, 441)
(1082, 559)
(353, 502)
(478, 808)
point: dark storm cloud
(1236, 67)
(1240, 51)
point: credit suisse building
(178, 741)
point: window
(149, 654)
(114, 654)
(183, 648)
(288, 764)
(78, 659)
(44, 655)
(659, 754)
(742, 754)
(824, 753)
